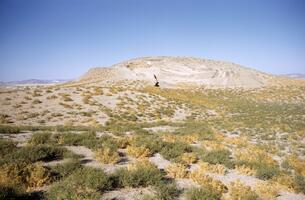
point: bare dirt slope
(180, 71)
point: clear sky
(49, 39)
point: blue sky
(49, 39)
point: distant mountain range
(34, 81)
(295, 76)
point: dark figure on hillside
(157, 82)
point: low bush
(141, 175)
(9, 129)
(88, 139)
(7, 147)
(266, 171)
(66, 169)
(151, 142)
(207, 167)
(172, 151)
(267, 190)
(168, 150)
(107, 156)
(206, 181)
(203, 193)
(219, 157)
(299, 183)
(176, 170)
(24, 175)
(40, 138)
(245, 170)
(30, 154)
(237, 191)
(85, 183)
(166, 191)
(122, 142)
(138, 152)
(188, 158)
(37, 175)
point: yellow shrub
(253, 154)
(267, 190)
(107, 156)
(123, 142)
(238, 141)
(10, 175)
(297, 164)
(206, 181)
(189, 158)
(213, 145)
(286, 182)
(26, 176)
(138, 152)
(141, 163)
(219, 136)
(189, 139)
(245, 170)
(37, 176)
(169, 138)
(207, 167)
(239, 191)
(176, 170)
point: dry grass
(176, 170)
(138, 152)
(206, 181)
(189, 158)
(239, 191)
(207, 167)
(267, 190)
(245, 170)
(107, 156)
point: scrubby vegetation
(202, 193)
(84, 183)
(255, 133)
(140, 175)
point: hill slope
(178, 71)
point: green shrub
(196, 127)
(299, 182)
(85, 183)
(168, 150)
(141, 176)
(9, 129)
(88, 139)
(66, 169)
(218, 157)
(266, 171)
(30, 154)
(117, 127)
(165, 191)
(151, 142)
(40, 138)
(7, 147)
(172, 151)
(202, 194)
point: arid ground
(103, 138)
